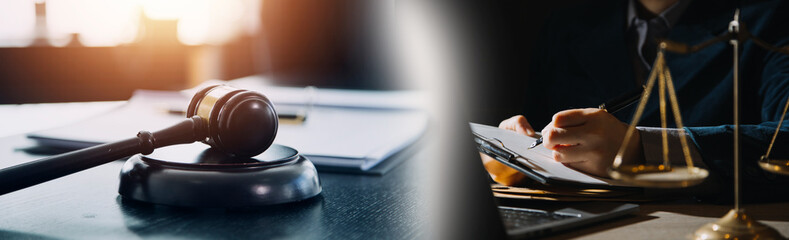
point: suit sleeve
(715, 143)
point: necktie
(656, 28)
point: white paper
(349, 133)
(146, 110)
(375, 99)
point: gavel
(238, 122)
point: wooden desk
(677, 220)
(86, 205)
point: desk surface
(87, 205)
(676, 220)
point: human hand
(518, 124)
(498, 171)
(589, 139)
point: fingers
(585, 159)
(574, 117)
(573, 154)
(523, 126)
(584, 139)
(574, 127)
(518, 124)
(554, 137)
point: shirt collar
(670, 15)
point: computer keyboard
(518, 217)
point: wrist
(634, 153)
(652, 145)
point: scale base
(736, 225)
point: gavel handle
(42, 170)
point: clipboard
(537, 164)
(496, 149)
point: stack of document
(337, 134)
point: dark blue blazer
(582, 60)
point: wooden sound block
(195, 175)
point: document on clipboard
(538, 164)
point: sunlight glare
(98, 22)
(166, 9)
(116, 22)
(211, 22)
(17, 23)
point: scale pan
(779, 166)
(659, 176)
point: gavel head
(240, 123)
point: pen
(612, 106)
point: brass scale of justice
(736, 224)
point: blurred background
(87, 50)
(471, 56)
(501, 37)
